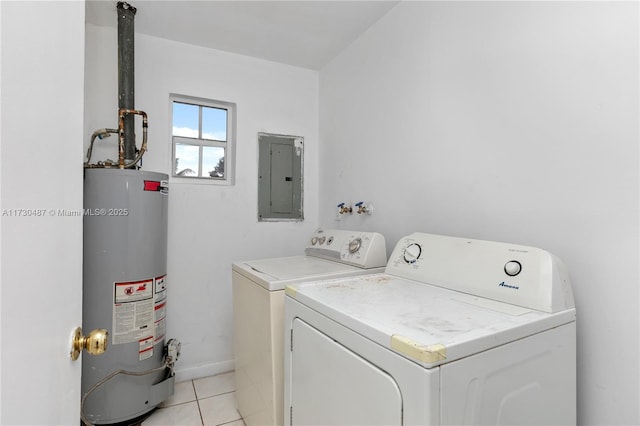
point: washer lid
(427, 324)
(274, 274)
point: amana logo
(515, 287)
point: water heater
(125, 291)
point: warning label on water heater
(146, 348)
(133, 311)
(160, 308)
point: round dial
(412, 253)
(321, 240)
(354, 245)
(512, 268)
(314, 241)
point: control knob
(354, 245)
(512, 268)
(412, 253)
(314, 241)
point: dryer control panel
(520, 275)
(357, 248)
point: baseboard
(205, 370)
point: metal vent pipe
(126, 93)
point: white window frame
(229, 145)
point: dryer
(455, 331)
(258, 311)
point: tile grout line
(197, 402)
(215, 396)
(231, 421)
(218, 394)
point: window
(203, 139)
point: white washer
(258, 311)
(455, 331)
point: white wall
(210, 226)
(507, 121)
(41, 171)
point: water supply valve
(344, 209)
(364, 208)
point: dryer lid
(427, 324)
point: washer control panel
(521, 275)
(362, 249)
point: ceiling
(302, 33)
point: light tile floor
(202, 402)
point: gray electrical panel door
(279, 177)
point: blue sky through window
(186, 123)
(187, 159)
(214, 123)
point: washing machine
(258, 311)
(455, 331)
